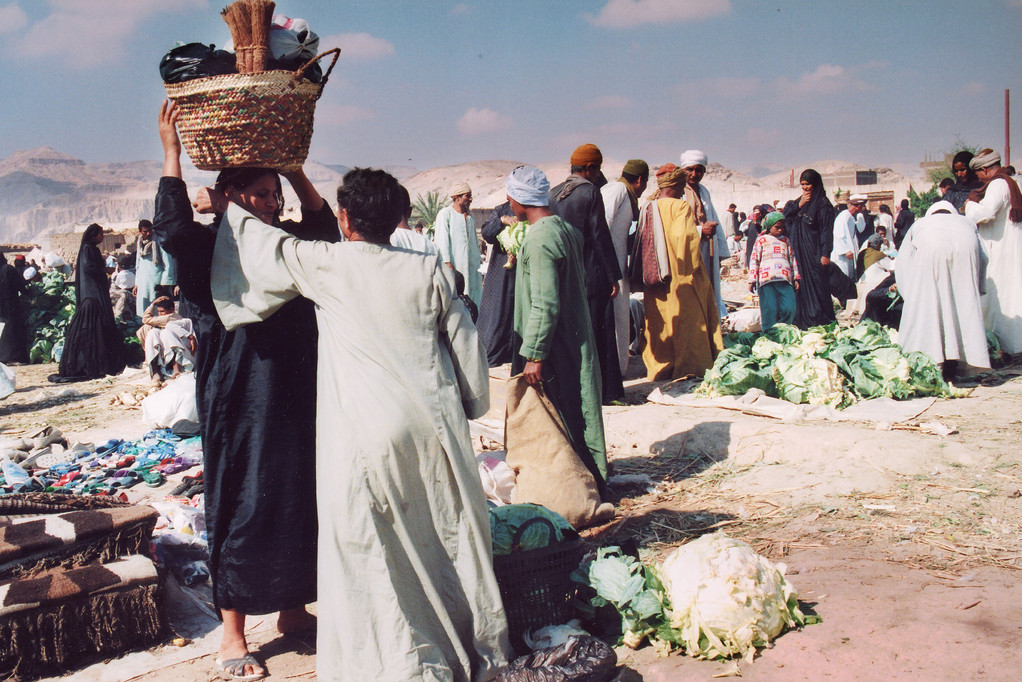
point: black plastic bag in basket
(195, 60)
(580, 659)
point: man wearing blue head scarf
(553, 338)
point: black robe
(93, 346)
(880, 307)
(256, 398)
(580, 204)
(497, 307)
(13, 341)
(958, 193)
(902, 224)
(811, 232)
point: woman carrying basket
(256, 397)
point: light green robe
(455, 237)
(406, 584)
(551, 324)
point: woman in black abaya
(496, 309)
(810, 221)
(93, 346)
(256, 398)
(13, 344)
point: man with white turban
(845, 235)
(940, 274)
(713, 246)
(455, 237)
(996, 208)
(553, 337)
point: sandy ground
(906, 543)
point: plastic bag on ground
(580, 659)
(174, 407)
(7, 376)
(497, 477)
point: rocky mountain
(44, 191)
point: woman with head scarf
(13, 344)
(810, 222)
(256, 398)
(966, 180)
(93, 346)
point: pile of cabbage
(827, 365)
(714, 598)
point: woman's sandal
(234, 668)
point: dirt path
(905, 542)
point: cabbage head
(734, 372)
(809, 380)
(725, 599)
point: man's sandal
(234, 668)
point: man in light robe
(454, 234)
(996, 208)
(407, 238)
(578, 201)
(731, 229)
(846, 244)
(682, 324)
(714, 245)
(406, 585)
(553, 339)
(941, 270)
(621, 202)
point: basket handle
(516, 540)
(336, 52)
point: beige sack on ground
(548, 470)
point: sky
(756, 84)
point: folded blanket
(28, 545)
(61, 618)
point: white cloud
(481, 121)
(631, 13)
(609, 102)
(12, 18)
(86, 33)
(827, 79)
(460, 8)
(359, 47)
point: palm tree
(425, 208)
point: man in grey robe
(406, 584)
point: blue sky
(754, 83)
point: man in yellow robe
(682, 325)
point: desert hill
(44, 191)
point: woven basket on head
(249, 120)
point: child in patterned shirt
(774, 272)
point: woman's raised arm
(169, 114)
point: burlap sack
(549, 472)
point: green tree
(425, 208)
(920, 202)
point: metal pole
(1007, 129)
